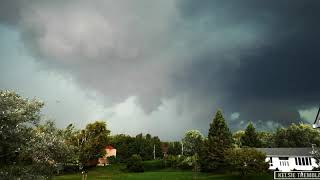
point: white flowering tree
(28, 149)
(48, 149)
(18, 116)
(192, 142)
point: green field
(114, 172)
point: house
(110, 151)
(288, 159)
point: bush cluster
(182, 162)
(113, 160)
(246, 161)
(135, 164)
(153, 165)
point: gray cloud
(255, 58)
(275, 76)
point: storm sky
(163, 67)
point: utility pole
(154, 151)
(182, 148)
(316, 123)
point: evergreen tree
(219, 140)
(250, 137)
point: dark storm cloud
(258, 58)
(284, 77)
(10, 11)
(279, 76)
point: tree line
(29, 147)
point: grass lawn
(114, 172)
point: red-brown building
(110, 151)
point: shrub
(185, 162)
(171, 161)
(189, 162)
(153, 165)
(182, 162)
(135, 164)
(112, 160)
(70, 168)
(247, 161)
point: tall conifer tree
(250, 137)
(219, 140)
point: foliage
(29, 148)
(37, 171)
(250, 137)
(189, 162)
(123, 144)
(246, 161)
(301, 135)
(172, 161)
(266, 139)
(46, 150)
(192, 140)
(115, 172)
(135, 164)
(175, 148)
(157, 144)
(47, 145)
(219, 139)
(143, 145)
(112, 160)
(237, 138)
(183, 162)
(153, 165)
(92, 141)
(18, 116)
(70, 168)
(70, 135)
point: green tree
(157, 144)
(266, 139)
(219, 140)
(192, 140)
(301, 135)
(92, 141)
(250, 137)
(148, 147)
(174, 148)
(143, 145)
(246, 161)
(124, 145)
(237, 138)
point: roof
(110, 147)
(286, 151)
